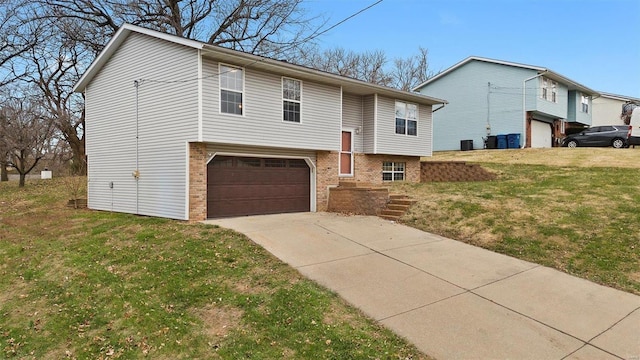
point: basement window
(393, 171)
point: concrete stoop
(397, 206)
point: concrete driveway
(452, 300)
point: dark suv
(607, 135)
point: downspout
(524, 107)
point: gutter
(440, 108)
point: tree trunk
(79, 160)
(22, 178)
(4, 174)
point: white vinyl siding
(388, 142)
(262, 123)
(352, 109)
(369, 120)
(167, 117)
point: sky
(593, 42)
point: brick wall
(355, 200)
(326, 177)
(445, 171)
(197, 181)
(368, 168)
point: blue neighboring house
(490, 97)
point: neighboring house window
(231, 90)
(406, 118)
(549, 90)
(291, 99)
(585, 103)
(393, 171)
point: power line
(263, 58)
(342, 21)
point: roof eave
(306, 73)
(572, 84)
(554, 75)
(249, 60)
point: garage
(238, 186)
(540, 134)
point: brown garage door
(251, 186)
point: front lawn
(584, 220)
(84, 284)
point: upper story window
(406, 118)
(291, 99)
(231, 90)
(585, 103)
(549, 90)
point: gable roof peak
(573, 85)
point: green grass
(94, 285)
(581, 220)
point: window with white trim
(231, 90)
(393, 171)
(406, 118)
(291, 99)
(584, 99)
(549, 90)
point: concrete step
(402, 207)
(355, 184)
(402, 202)
(397, 196)
(392, 212)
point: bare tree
(264, 27)
(412, 71)
(16, 38)
(70, 33)
(4, 150)
(55, 70)
(372, 66)
(26, 133)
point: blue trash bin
(502, 141)
(513, 141)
